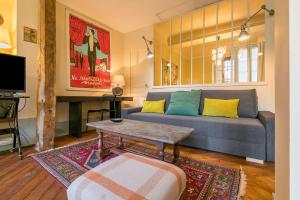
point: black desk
(12, 119)
(75, 109)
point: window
(202, 47)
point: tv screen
(12, 73)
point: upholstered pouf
(129, 176)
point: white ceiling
(129, 15)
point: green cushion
(184, 103)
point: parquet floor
(27, 180)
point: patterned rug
(204, 180)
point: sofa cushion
(184, 103)
(154, 106)
(221, 107)
(241, 129)
(248, 100)
(156, 96)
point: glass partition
(202, 47)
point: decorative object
(118, 82)
(204, 180)
(148, 42)
(88, 54)
(244, 34)
(4, 36)
(30, 35)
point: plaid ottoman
(129, 176)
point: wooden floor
(27, 180)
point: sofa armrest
(268, 120)
(127, 111)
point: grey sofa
(251, 135)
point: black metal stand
(12, 120)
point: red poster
(89, 55)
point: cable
(25, 102)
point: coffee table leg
(162, 151)
(176, 153)
(100, 144)
(121, 144)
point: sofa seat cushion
(241, 129)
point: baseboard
(255, 160)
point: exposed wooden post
(46, 98)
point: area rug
(204, 180)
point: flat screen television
(12, 73)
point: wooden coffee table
(153, 133)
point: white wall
(27, 15)
(142, 68)
(294, 30)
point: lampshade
(244, 35)
(4, 38)
(118, 80)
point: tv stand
(12, 118)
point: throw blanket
(129, 176)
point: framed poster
(88, 54)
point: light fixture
(4, 36)
(244, 34)
(148, 42)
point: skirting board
(254, 160)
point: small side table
(13, 121)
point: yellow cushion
(154, 106)
(221, 107)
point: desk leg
(75, 119)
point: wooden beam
(46, 98)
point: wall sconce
(4, 36)
(244, 34)
(148, 42)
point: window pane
(175, 57)
(254, 64)
(157, 54)
(243, 65)
(210, 43)
(186, 50)
(197, 50)
(225, 44)
(166, 52)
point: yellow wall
(8, 11)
